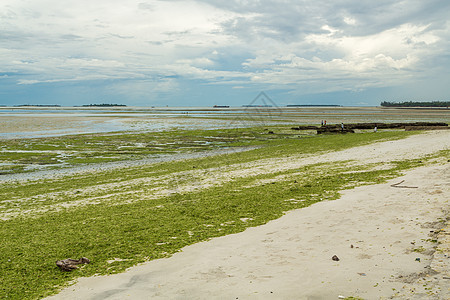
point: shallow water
(38, 122)
(41, 173)
(32, 124)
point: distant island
(38, 105)
(416, 104)
(102, 105)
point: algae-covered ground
(24, 155)
(120, 217)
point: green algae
(128, 225)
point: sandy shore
(384, 237)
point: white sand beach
(384, 236)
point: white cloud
(349, 20)
(104, 37)
(197, 62)
(351, 62)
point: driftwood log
(71, 264)
(336, 128)
(394, 125)
(304, 127)
(397, 185)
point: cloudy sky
(201, 53)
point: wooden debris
(349, 128)
(334, 129)
(70, 264)
(397, 185)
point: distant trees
(416, 104)
(103, 105)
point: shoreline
(291, 257)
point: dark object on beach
(305, 127)
(70, 264)
(397, 185)
(333, 129)
(337, 128)
(418, 259)
(351, 246)
(335, 258)
(395, 125)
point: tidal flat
(121, 216)
(34, 139)
(30, 122)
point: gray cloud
(286, 20)
(309, 45)
(126, 37)
(70, 37)
(146, 6)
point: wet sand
(109, 166)
(39, 122)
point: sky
(223, 52)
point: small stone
(335, 258)
(418, 259)
(351, 246)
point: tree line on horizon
(416, 104)
(102, 105)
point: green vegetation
(152, 211)
(416, 104)
(419, 249)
